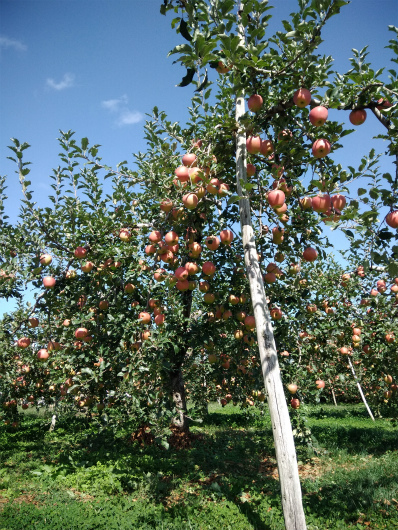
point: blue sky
(97, 66)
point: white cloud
(119, 106)
(129, 117)
(6, 42)
(114, 104)
(66, 82)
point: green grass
(82, 477)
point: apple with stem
(318, 116)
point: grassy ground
(78, 478)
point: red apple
(292, 387)
(155, 236)
(33, 322)
(321, 203)
(251, 170)
(42, 354)
(190, 201)
(144, 317)
(88, 266)
(250, 322)
(306, 203)
(253, 144)
(310, 254)
(226, 237)
(302, 97)
(255, 102)
(182, 173)
(357, 117)
(49, 282)
(212, 242)
(189, 159)
(295, 403)
(80, 333)
(266, 147)
(209, 298)
(23, 342)
(208, 268)
(103, 305)
(191, 267)
(320, 384)
(125, 234)
(166, 205)
(318, 116)
(80, 252)
(45, 259)
(321, 148)
(392, 219)
(275, 198)
(159, 319)
(181, 273)
(338, 201)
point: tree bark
(178, 392)
(282, 430)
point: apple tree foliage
(204, 350)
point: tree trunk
(282, 430)
(178, 391)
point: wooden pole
(281, 427)
(360, 389)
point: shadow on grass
(372, 439)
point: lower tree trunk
(181, 421)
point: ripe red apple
(189, 159)
(125, 234)
(171, 238)
(390, 338)
(23, 342)
(182, 285)
(33, 322)
(49, 282)
(80, 333)
(166, 205)
(212, 242)
(277, 235)
(209, 298)
(190, 201)
(191, 267)
(223, 189)
(213, 186)
(233, 299)
(276, 313)
(204, 286)
(159, 319)
(155, 236)
(182, 173)
(310, 254)
(318, 116)
(255, 102)
(292, 387)
(269, 277)
(338, 201)
(144, 317)
(321, 148)
(276, 198)
(226, 237)
(295, 403)
(302, 97)
(321, 203)
(88, 266)
(45, 259)
(266, 147)
(306, 203)
(208, 268)
(222, 68)
(103, 305)
(42, 354)
(253, 144)
(320, 384)
(181, 273)
(251, 170)
(80, 252)
(392, 219)
(357, 117)
(250, 322)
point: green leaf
(184, 30)
(361, 191)
(203, 84)
(84, 143)
(186, 80)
